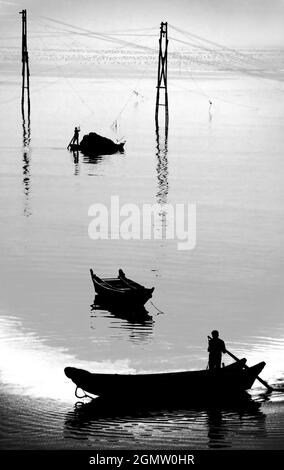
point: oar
(269, 388)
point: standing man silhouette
(75, 138)
(216, 347)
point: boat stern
(251, 374)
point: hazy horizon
(238, 23)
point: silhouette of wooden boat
(120, 290)
(234, 378)
(95, 144)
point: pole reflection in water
(162, 164)
(26, 160)
(162, 171)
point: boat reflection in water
(107, 423)
(78, 159)
(136, 322)
(133, 315)
(92, 159)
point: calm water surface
(230, 163)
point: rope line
(80, 396)
(159, 311)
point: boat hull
(95, 144)
(233, 378)
(115, 292)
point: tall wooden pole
(25, 62)
(162, 73)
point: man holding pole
(216, 347)
(75, 138)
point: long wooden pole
(25, 62)
(247, 367)
(23, 56)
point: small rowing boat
(234, 378)
(120, 290)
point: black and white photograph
(141, 232)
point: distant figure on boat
(216, 347)
(75, 138)
(209, 111)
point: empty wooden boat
(121, 290)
